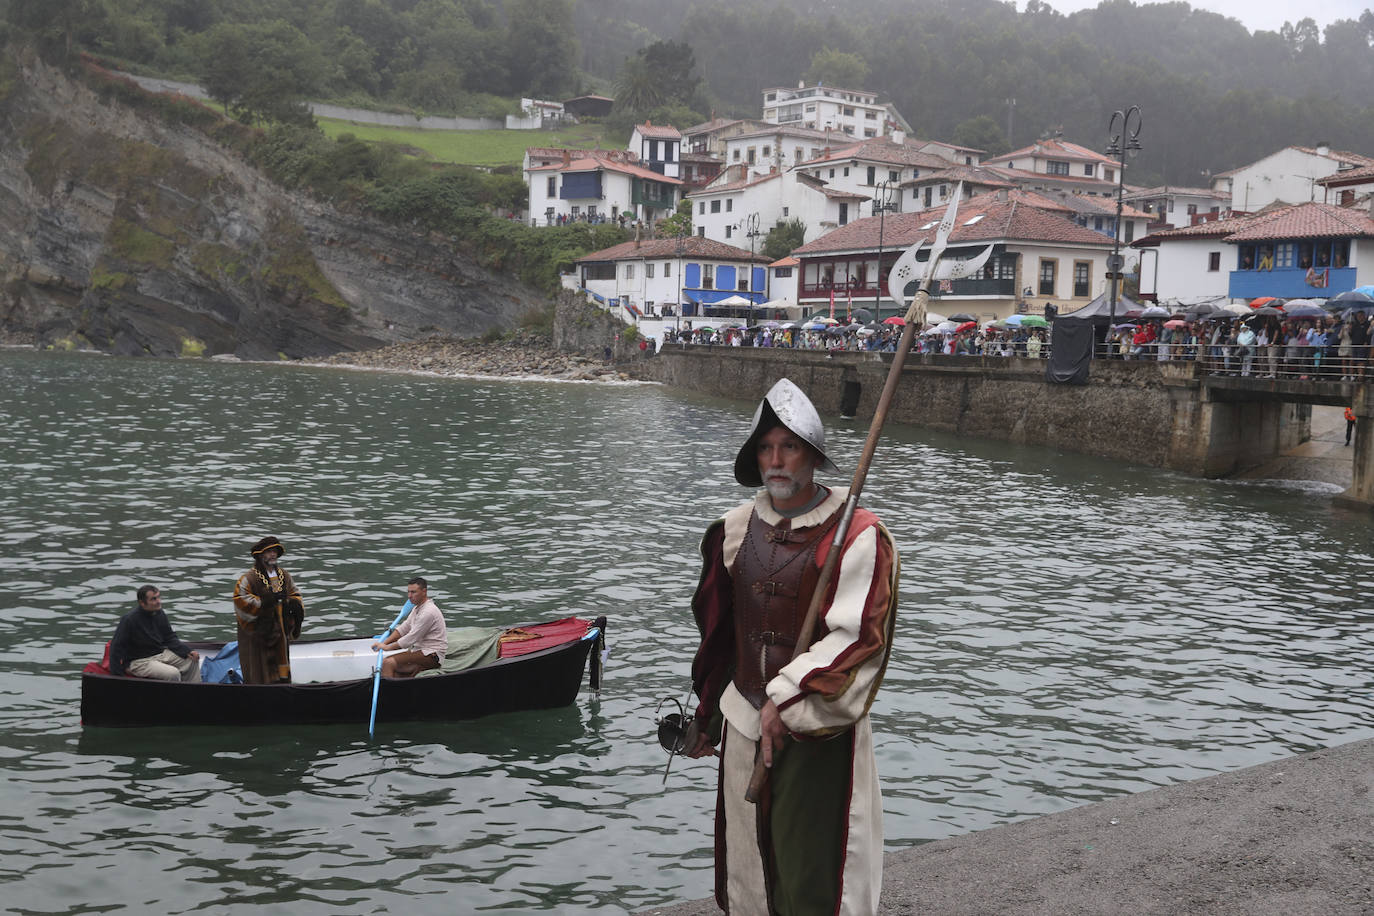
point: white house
(1172, 207)
(856, 112)
(1038, 253)
(1349, 187)
(1294, 251)
(1187, 265)
(783, 275)
(673, 282)
(658, 148)
(595, 185)
(1058, 165)
(860, 170)
(711, 136)
(729, 211)
(1288, 176)
(779, 147)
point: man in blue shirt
(145, 645)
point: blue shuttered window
(693, 276)
(581, 186)
(725, 277)
(757, 285)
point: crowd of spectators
(973, 341)
(1266, 346)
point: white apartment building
(1288, 176)
(855, 112)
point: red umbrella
(1176, 323)
(966, 326)
(895, 319)
(1266, 300)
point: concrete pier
(1290, 837)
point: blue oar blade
(377, 672)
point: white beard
(782, 490)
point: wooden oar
(377, 672)
(901, 273)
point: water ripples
(1070, 630)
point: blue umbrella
(1367, 289)
(1304, 311)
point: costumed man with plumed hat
(270, 612)
(813, 843)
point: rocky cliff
(127, 234)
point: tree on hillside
(837, 68)
(636, 87)
(981, 133)
(674, 65)
(679, 224)
(261, 71)
(662, 74)
(540, 46)
(784, 238)
(56, 23)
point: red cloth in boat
(524, 640)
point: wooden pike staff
(900, 275)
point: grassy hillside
(470, 147)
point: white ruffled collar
(828, 507)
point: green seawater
(1070, 630)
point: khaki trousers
(166, 666)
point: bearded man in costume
(813, 843)
(269, 611)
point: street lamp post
(751, 229)
(1125, 140)
(882, 202)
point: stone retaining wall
(1146, 413)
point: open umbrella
(895, 319)
(788, 326)
(1034, 321)
(1176, 323)
(962, 317)
(1266, 300)
(945, 327)
(861, 315)
(1304, 311)
(1124, 327)
(968, 325)
(1014, 321)
(1354, 297)
(1367, 289)
(1266, 311)
(1155, 311)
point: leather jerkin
(774, 575)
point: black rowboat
(542, 679)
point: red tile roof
(788, 261)
(593, 163)
(1015, 217)
(1337, 154)
(1020, 176)
(1054, 149)
(879, 149)
(658, 131)
(734, 185)
(1349, 176)
(1305, 221)
(1217, 228)
(693, 246)
(1166, 189)
(972, 174)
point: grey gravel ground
(1287, 838)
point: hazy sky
(1269, 15)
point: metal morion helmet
(783, 405)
